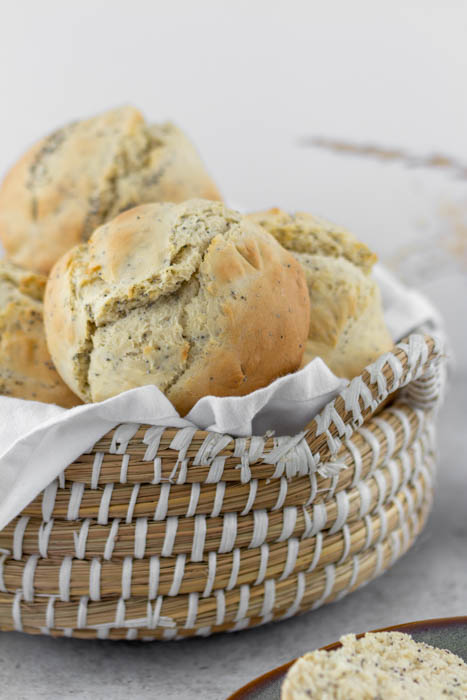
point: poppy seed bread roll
(26, 369)
(380, 665)
(86, 173)
(193, 298)
(347, 328)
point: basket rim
(406, 365)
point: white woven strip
(132, 634)
(16, 611)
(141, 530)
(379, 559)
(268, 600)
(61, 480)
(111, 539)
(154, 573)
(301, 586)
(132, 503)
(199, 538)
(383, 524)
(355, 570)
(81, 539)
(406, 463)
(192, 611)
(374, 444)
(95, 579)
(320, 518)
(212, 445)
(394, 473)
(43, 537)
(28, 577)
(365, 497)
(127, 570)
(376, 370)
(154, 615)
(281, 495)
(343, 506)
(64, 578)
(124, 468)
(76, 494)
(120, 612)
(96, 469)
(313, 489)
(347, 543)
(194, 498)
(234, 571)
(256, 449)
(50, 613)
(262, 569)
(243, 603)
(330, 573)
(395, 546)
(369, 532)
(181, 443)
(289, 520)
(157, 471)
(3, 556)
(103, 513)
(317, 552)
(121, 437)
(82, 616)
(260, 528)
(218, 499)
(308, 526)
(229, 533)
(389, 434)
(220, 606)
(251, 497)
(216, 470)
(293, 545)
(212, 564)
(171, 527)
(152, 438)
(381, 483)
(179, 570)
(48, 500)
(405, 423)
(163, 502)
(18, 536)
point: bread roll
(87, 172)
(383, 665)
(347, 328)
(26, 369)
(193, 298)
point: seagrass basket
(160, 533)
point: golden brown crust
(26, 369)
(85, 174)
(191, 297)
(347, 328)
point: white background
(248, 81)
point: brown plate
(446, 633)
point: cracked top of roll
(193, 298)
(86, 173)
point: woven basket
(162, 533)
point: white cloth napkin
(37, 440)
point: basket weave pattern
(159, 533)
